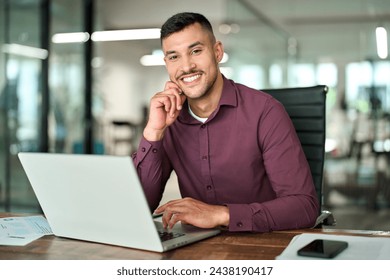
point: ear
(218, 50)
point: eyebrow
(189, 47)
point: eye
(196, 51)
(172, 57)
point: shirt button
(154, 150)
(203, 126)
(209, 187)
(143, 149)
(239, 224)
(204, 157)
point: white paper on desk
(19, 231)
(18, 241)
(359, 247)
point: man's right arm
(152, 164)
(153, 170)
(164, 109)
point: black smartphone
(321, 248)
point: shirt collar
(229, 93)
(228, 98)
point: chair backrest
(306, 107)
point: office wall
(2, 119)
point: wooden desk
(233, 246)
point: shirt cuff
(241, 217)
(149, 150)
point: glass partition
(254, 46)
(21, 97)
(3, 128)
(38, 114)
(67, 80)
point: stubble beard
(203, 92)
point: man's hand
(164, 110)
(194, 212)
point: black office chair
(306, 107)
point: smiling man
(234, 149)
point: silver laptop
(100, 199)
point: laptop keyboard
(167, 235)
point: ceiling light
(154, 59)
(74, 37)
(381, 42)
(124, 35)
(229, 28)
(26, 51)
(225, 28)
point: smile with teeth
(191, 79)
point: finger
(170, 219)
(168, 101)
(159, 210)
(173, 108)
(173, 211)
(166, 219)
(181, 97)
(172, 85)
(160, 101)
(162, 208)
(180, 101)
(173, 220)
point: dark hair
(180, 21)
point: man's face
(191, 58)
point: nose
(188, 64)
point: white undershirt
(202, 120)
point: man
(234, 149)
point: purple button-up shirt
(246, 156)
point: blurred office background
(68, 87)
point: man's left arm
(296, 204)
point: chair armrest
(326, 218)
